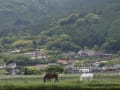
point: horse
(50, 76)
(85, 76)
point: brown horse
(50, 76)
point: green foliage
(21, 43)
(112, 46)
(29, 71)
(70, 82)
(69, 20)
(62, 42)
(60, 24)
(18, 59)
(96, 48)
(54, 69)
(93, 18)
(34, 44)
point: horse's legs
(50, 80)
(56, 80)
(47, 79)
(44, 80)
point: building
(86, 53)
(15, 51)
(62, 62)
(84, 70)
(11, 65)
(38, 54)
(70, 68)
(92, 53)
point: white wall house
(84, 70)
(87, 53)
(11, 65)
(36, 54)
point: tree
(96, 48)
(34, 44)
(111, 46)
(54, 69)
(21, 43)
(27, 71)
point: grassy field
(66, 82)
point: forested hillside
(60, 24)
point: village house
(14, 72)
(106, 56)
(38, 54)
(92, 53)
(15, 51)
(11, 65)
(116, 67)
(86, 53)
(70, 68)
(84, 70)
(62, 62)
(52, 64)
(96, 64)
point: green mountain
(60, 24)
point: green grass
(67, 82)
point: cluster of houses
(40, 54)
(92, 53)
(36, 54)
(92, 66)
(11, 67)
(69, 65)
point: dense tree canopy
(65, 25)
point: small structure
(84, 70)
(62, 62)
(96, 64)
(15, 51)
(116, 67)
(52, 64)
(11, 65)
(15, 72)
(106, 56)
(70, 68)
